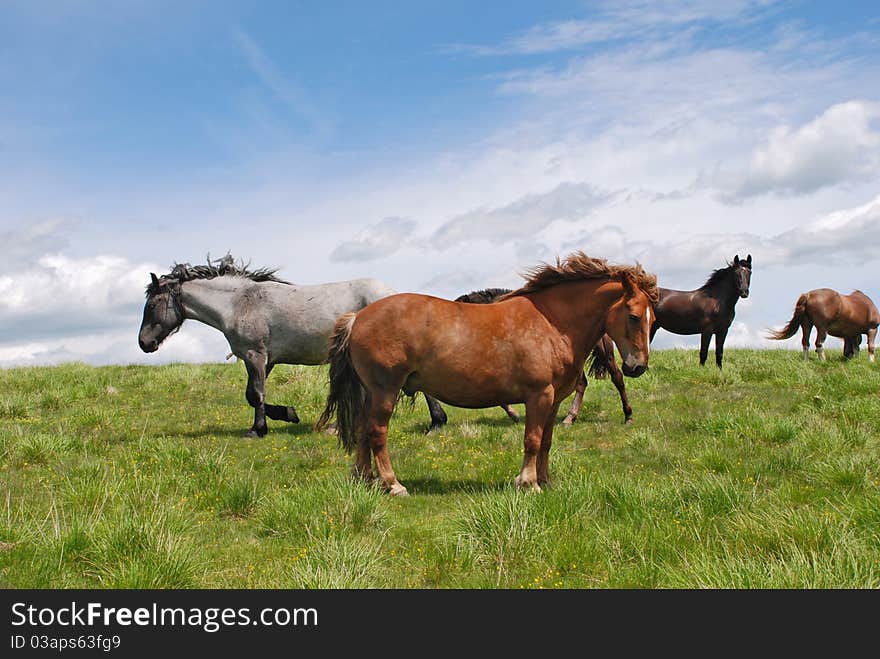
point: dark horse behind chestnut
(843, 316)
(601, 361)
(528, 348)
(707, 310)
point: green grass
(764, 475)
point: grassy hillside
(765, 475)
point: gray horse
(266, 320)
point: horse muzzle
(632, 367)
(148, 346)
(744, 294)
(634, 371)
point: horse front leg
(538, 409)
(720, 336)
(704, 347)
(872, 333)
(577, 401)
(255, 363)
(821, 334)
(280, 412)
(438, 416)
(544, 451)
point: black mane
(719, 275)
(485, 296)
(217, 268)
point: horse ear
(749, 260)
(154, 279)
(736, 260)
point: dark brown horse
(843, 316)
(529, 348)
(707, 310)
(601, 361)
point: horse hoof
(433, 427)
(568, 421)
(628, 421)
(398, 490)
(292, 416)
(525, 485)
(254, 434)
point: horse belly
(465, 378)
(470, 393)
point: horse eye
(633, 318)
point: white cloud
(612, 21)
(840, 145)
(522, 218)
(25, 243)
(88, 309)
(376, 241)
(193, 343)
(63, 286)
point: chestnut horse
(601, 361)
(843, 316)
(529, 348)
(707, 310)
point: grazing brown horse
(843, 316)
(601, 361)
(529, 347)
(707, 310)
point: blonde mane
(578, 267)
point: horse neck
(209, 301)
(571, 306)
(724, 290)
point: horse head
(163, 314)
(742, 274)
(629, 325)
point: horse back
(293, 323)
(685, 312)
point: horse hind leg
(438, 415)
(872, 333)
(821, 335)
(704, 347)
(617, 379)
(280, 412)
(806, 329)
(577, 401)
(510, 412)
(543, 466)
(379, 412)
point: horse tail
(598, 364)
(794, 324)
(347, 395)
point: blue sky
(441, 147)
